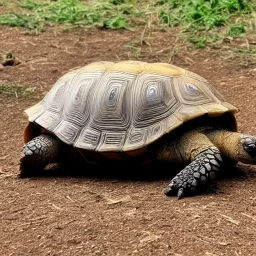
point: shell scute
(154, 99)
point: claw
(181, 193)
(168, 191)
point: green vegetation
(16, 91)
(36, 14)
(210, 21)
(203, 22)
(247, 51)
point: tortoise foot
(198, 175)
(37, 154)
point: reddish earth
(63, 215)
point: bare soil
(64, 215)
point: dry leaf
(223, 243)
(210, 254)
(149, 239)
(230, 219)
(117, 201)
(249, 216)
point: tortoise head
(247, 149)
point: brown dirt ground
(110, 216)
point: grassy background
(207, 22)
(202, 23)
(16, 91)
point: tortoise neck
(226, 141)
(185, 148)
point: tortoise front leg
(204, 160)
(199, 174)
(37, 154)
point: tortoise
(121, 111)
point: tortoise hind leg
(37, 154)
(199, 174)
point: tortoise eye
(250, 149)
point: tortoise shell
(124, 106)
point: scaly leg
(37, 153)
(198, 174)
(201, 157)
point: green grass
(247, 51)
(36, 14)
(208, 22)
(202, 22)
(16, 91)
